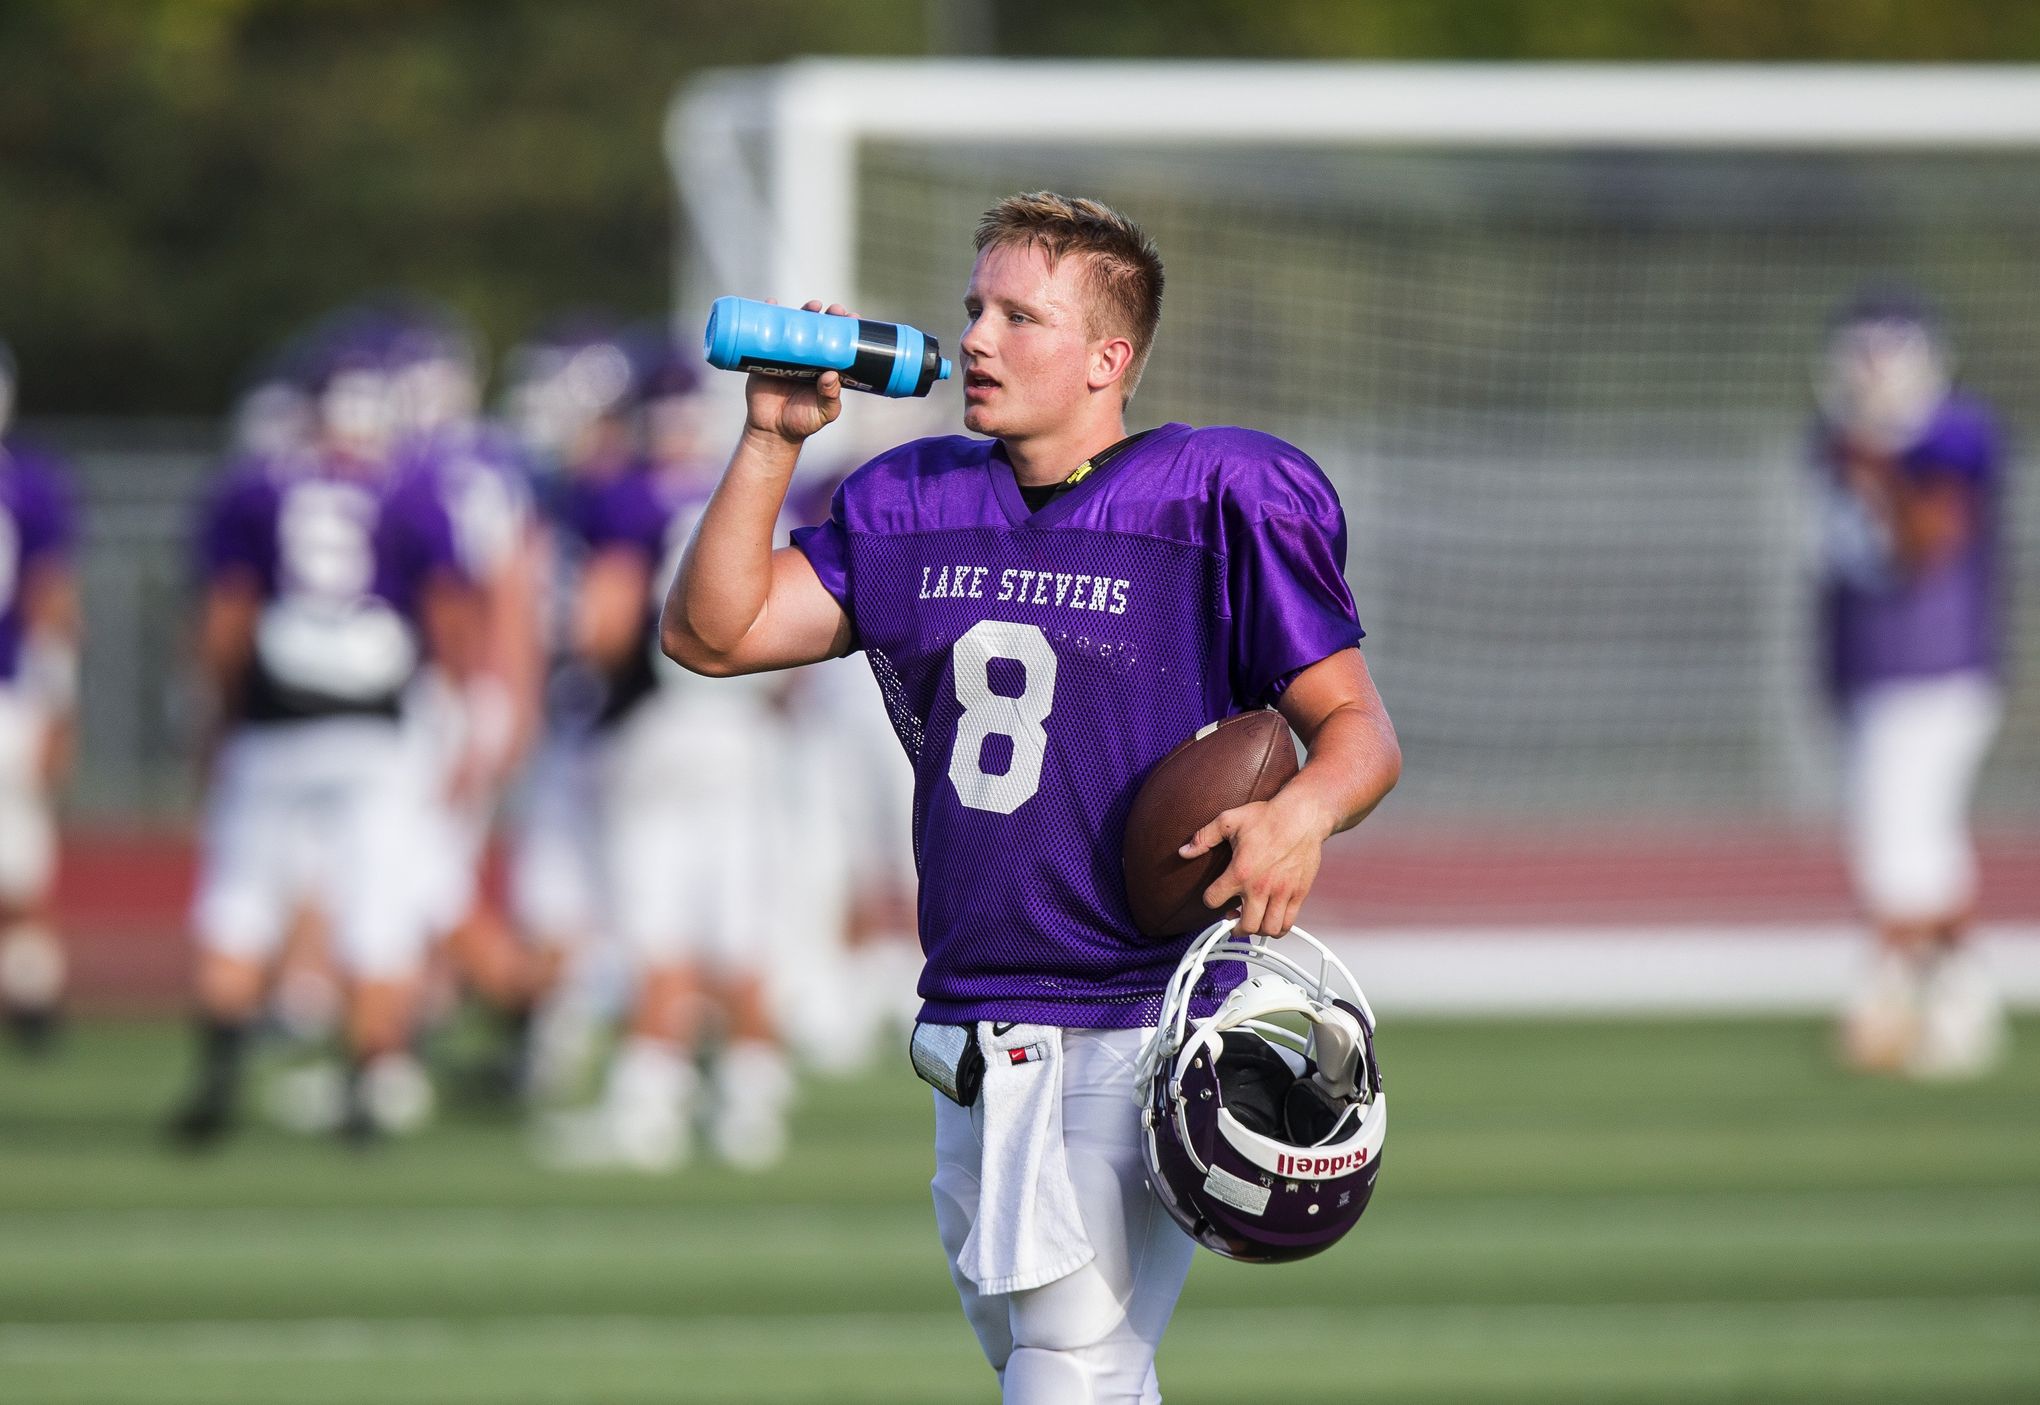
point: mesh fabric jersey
(1037, 664)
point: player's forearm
(724, 584)
(226, 637)
(225, 647)
(1354, 762)
(50, 619)
(518, 647)
(609, 615)
(1930, 526)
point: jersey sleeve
(236, 530)
(628, 516)
(1285, 575)
(1963, 443)
(491, 509)
(418, 537)
(429, 535)
(48, 520)
(598, 516)
(827, 548)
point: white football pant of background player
(319, 814)
(684, 809)
(31, 961)
(844, 855)
(1914, 750)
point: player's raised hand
(795, 409)
(1276, 850)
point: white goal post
(765, 158)
(1550, 328)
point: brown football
(1229, 763)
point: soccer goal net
(1552, 332)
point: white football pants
(451, 835)
(1089, 1338)
(315, 812)
(28, 845)
(686, 823)
(1915, 747)
(555, 859)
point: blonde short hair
(1122, 267)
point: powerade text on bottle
(886, 358)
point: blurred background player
(685, 780)
(569, 398)
(1913, 635)
(39, 626)
(849, 957)
(469, 736)
(326, 579)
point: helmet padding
(1265, 1093)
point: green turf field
(1568, 1212)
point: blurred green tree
(184, 181)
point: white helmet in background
(1883, 374)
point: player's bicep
(1339, 680)
(609, 611)
(801, 623)
(226, 626)
(49, 598)
(812, 624)
(450, 619)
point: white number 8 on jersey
(990, 714)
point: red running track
(122, 895)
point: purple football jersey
(571, 507)
(648, 513)
(35, 530)
(1881, 624)
(1037, 665)
(341, 562)
(479, 474)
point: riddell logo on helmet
(1320, 1165)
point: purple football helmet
(1263, 1120)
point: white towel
(1028, 1229)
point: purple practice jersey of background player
(650, 514)
(477, 470)
(35, 530)
(341, 562)
(1882, 626)
(1037, 665)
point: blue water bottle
(885, 358)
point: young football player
(38, 699)
(685, 782)
(470, 738)
(1050, 609)
(326, 579)
(1914, 646)
(843, 923)
(570, 396)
